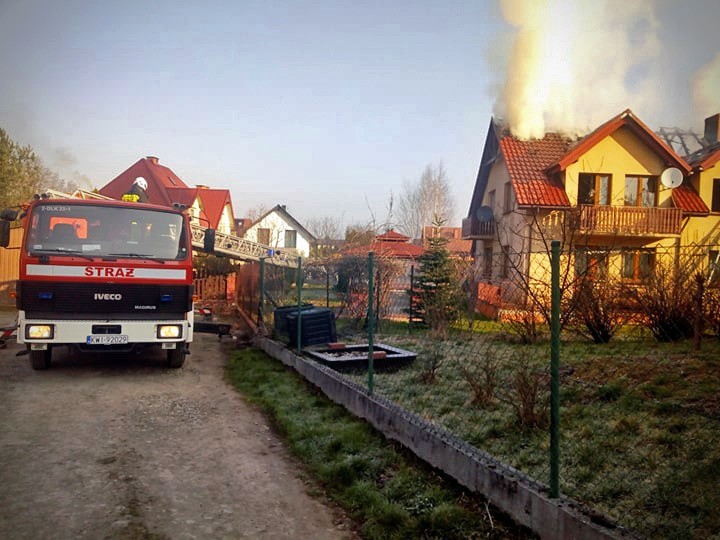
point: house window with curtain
(638, 265)
(713, 273)
(290, 239)
(591, 263)
(263, 236)
(641, 191)
(594, 189)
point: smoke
(706, 83)
(576, 63)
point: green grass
(388, 492)
(640, 420)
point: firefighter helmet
(141, 183)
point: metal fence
(626, 421)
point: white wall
(278, 226)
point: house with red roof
(389, 244)
(210, 207)
(606, 195)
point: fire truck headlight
(39, 331)
(169, 331)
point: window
(641, 191)
(505, 270)
(488, 262)
(638, 265)
(591, 262)
(714, 268)
(290, 239)
(263, 236)
(716, 195)
(594, 189)
(491, 199)
(507, 198)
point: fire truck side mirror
(4, 233)
(209, 241)
(6, 216)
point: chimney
(712, 125)
(153, 159)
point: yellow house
(705, 179)
(619, 199)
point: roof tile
(686, 198)
(527, 161)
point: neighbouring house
(600, 194)
(209, 207)
(456, 245)
(389, 244)
(278, 229)
(395, 246)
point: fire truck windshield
(64, 228)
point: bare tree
(325, 228)
(420, 203)
(256, 211)
(327, 231)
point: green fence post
(555, 371)
(412, 293)
(371, 319)
(261, 305)
(299, 311)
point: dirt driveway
(125, 448)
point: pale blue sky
(326, 106)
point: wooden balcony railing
(473, 229)
(628, 220)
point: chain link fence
(639, 373)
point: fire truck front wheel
(41, 359)
(176, 357)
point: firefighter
(137, 192)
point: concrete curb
(521, 497)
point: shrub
(597, 310)
(482, 376)
(665, 299)
(526, 391)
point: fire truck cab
(103, 275)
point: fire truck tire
(41, 359)
(176, 357)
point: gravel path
(118, 447)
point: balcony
(474, 229)
(628, 221)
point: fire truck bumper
(100, 334)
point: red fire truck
(103, 275)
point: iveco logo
(107, 296)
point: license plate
(115, 339)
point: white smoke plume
(706, 88)
(576, 63)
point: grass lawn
(388, 492)
(640, 420)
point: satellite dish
(484, 213)
(671, 177)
